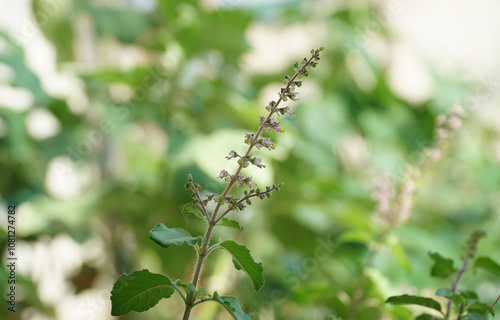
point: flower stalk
(267, 123)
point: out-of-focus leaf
(474, 316)
(14, 57)
(443, 292)
(416, 300)
(446, 293)
(487, 264)
(426, 316)
(480, 307)
(124, 24)
(442, 267)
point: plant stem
(455, 283)
(197, 272)
(191, 297)
(492, 306)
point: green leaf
(231, 224)
(442, 267)
(166, 237)
(426, 316)
(194, 210)
(191, 287)
(421, 301)
(242, 256)
(457, 299)
(469, 295)
(474, 316)
(488, 265)
(480, 307)
(443, 292)
(124, 24)
(139, 291)
(232, 305)
(202, 292)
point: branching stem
(214, 219)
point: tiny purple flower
(249, 138)
(282, 111)
(275, 125)
(262, 120)
(224, 175)
(257, 162)
(266, 143)
(241, 178)
(232, 155)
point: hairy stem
(190, 301)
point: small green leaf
(469, 295)
(231, 224)
(242, 255)
(166, 237)
(488, 265)
(474, 316)
(139, 291)
(191, 287)
(442, 267)
(456, 298)
(421, 301)
(232, 305)
(443, 292)
(188, 207)
(202, 292)
(480, 307)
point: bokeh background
(107, 105)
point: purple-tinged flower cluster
(243, 161)
(394, 206)
(249, 138)
(224, 175)
(261, 142)
(266, 143)
(282, 111)
(241, 179)
(270, 107)
(288, 93)
(445, 125)
(257, 162)
(270, 124)
(232, 154)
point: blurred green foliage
(166, 95)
